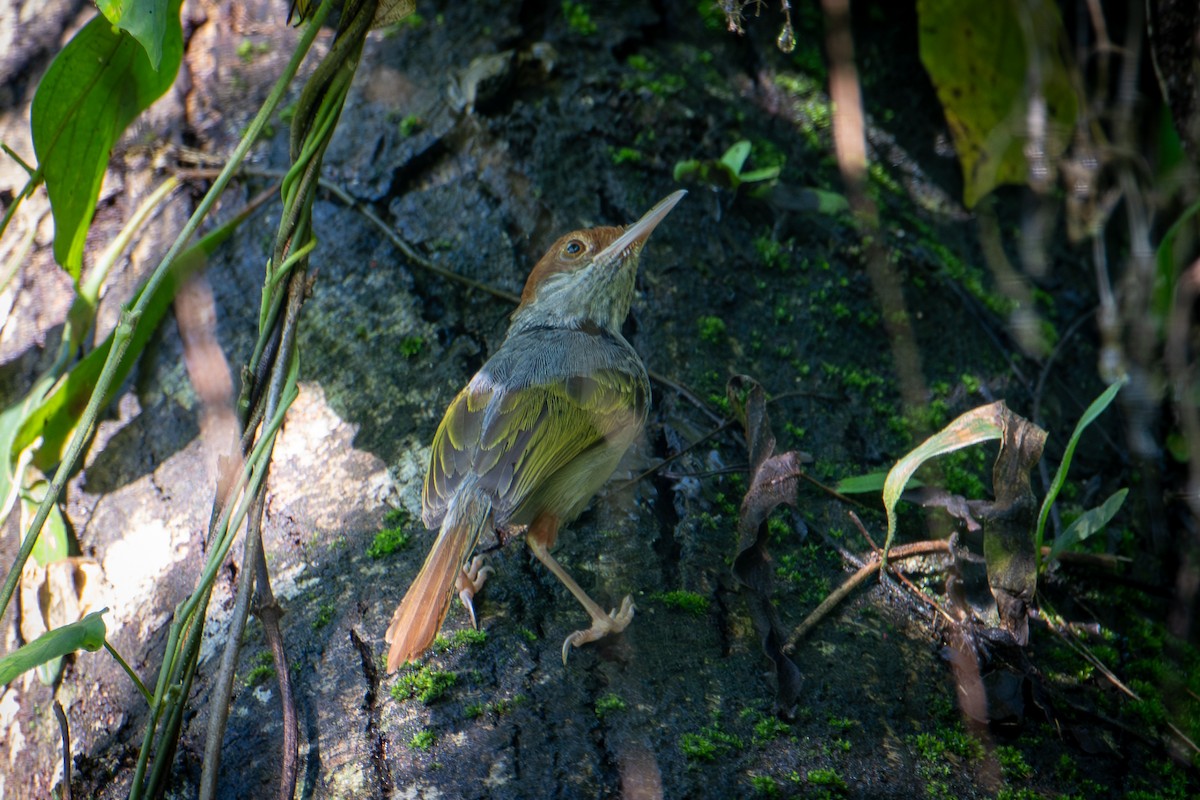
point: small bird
(537, 431)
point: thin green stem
(290, 262)
(165, 694)
(30, 171)
(121, 337)
(160, 273)
(89, 289)
(129, 671)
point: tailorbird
(537, 431)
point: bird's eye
(573, 248)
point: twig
(1085, 652)
(65, 730)
(223, 685)
(268, 611)
(897, 553)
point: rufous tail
(419, 616)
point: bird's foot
(470, 580)
(613, 622)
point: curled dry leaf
(1009, 524)
(773, 480)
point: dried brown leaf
(774, 480)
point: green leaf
(145, 20)
(830, 202)
(86, 634)
(735, 157)
(11, 420)
(981, 57)
(1091, 521)
(1167, 267)
(861, 484)
(95, 87)
(1094, 410)
(54, 542)
(871, 482)
(756, 175)
(977, 425)
(55, 417)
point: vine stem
(130, 315)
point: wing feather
(515, 440)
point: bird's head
(587, 276)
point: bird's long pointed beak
(636, 234)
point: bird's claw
(615, 622)
(470, 580)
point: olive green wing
(514, 440)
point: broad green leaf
(977, 425)
(94, 88)
(982, 56)
(1091, 521)
(145, 20)
(1094, 410)
(87, 634)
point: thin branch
(897, 553)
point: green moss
(689, 602)
(769, 728)
(1024, 793)
(259, 675)
(697, 747)
(473, 711)
(803, 568)
(640, 63)
(579, 18)
(388, 541)
(708, 743)
(324, 615)
(410, 124)
(608, 704)
(422, 740)
(527, 635)
(624, 155)
(1012, 763)
(411, 346)
(841, 724)
(764, 785)
(247, 50)
(648, 76)
(425, 684)
(504, 705)
(460, 639)
(827, 778)
(712, 329)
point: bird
(536, 431)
